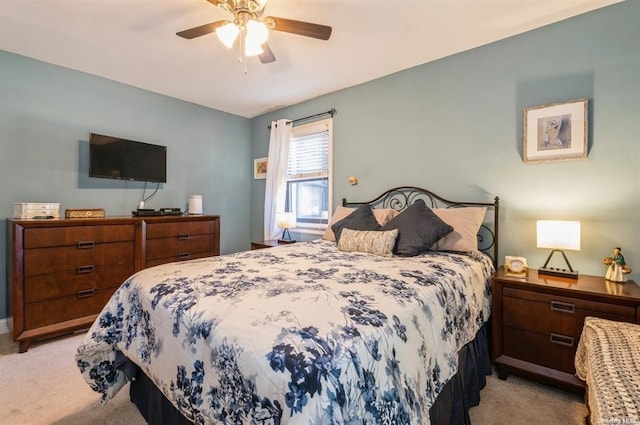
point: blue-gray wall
(46, 115)
(455, 126)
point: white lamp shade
(555, 234)
(228, 33)
(285, 220)
(256, 35)
(257, 32)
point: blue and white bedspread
(298, 334)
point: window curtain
(276, 189)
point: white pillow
(382, 215)
(466, 222)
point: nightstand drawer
(555, 351)
(543, 314)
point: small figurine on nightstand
(617, 266)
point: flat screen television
(122, 159)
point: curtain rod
(329, 112)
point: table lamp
(286, 221)
(558, 236)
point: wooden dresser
(538, 320)
(62, 272)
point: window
(309, 175)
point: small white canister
(195, 204)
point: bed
(608, 360)
(313, 332)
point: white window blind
(309, 152)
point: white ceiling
(135, 42)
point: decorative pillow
(466, 223)
(361, 219)
(371, 242)
(418, 229)
(382, 215)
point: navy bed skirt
(451, 407)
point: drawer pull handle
(183, 256)
(85, 293)
(562, 339)
(86, 244)
(184, 236)
(86, 269)
(563, 307)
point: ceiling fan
(252, 28)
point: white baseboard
(3, 326)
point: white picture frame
(260, 168)
(555, 132)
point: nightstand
(268, 243)
(538, 319)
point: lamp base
(285, 241)
(551, 271)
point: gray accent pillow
(418, 229)
(369, 241)
(361, 219)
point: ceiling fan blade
(267, 55)
(201, 30)
(307, 29)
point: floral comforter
(298, 334)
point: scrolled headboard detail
(400, 198)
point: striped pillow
(369, 241)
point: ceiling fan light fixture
(228, 33)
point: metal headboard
(400, 198)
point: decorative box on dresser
(538, 319)
(61, 272)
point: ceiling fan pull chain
(243, 53)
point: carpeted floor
(43, 386)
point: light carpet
(43, 386)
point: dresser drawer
(51, 260)
(73, 282)
(67, 308)
(180, 249)
(180, 230)
(184, 257)
(545, 314)
(81, 236)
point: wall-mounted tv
(122, 159)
